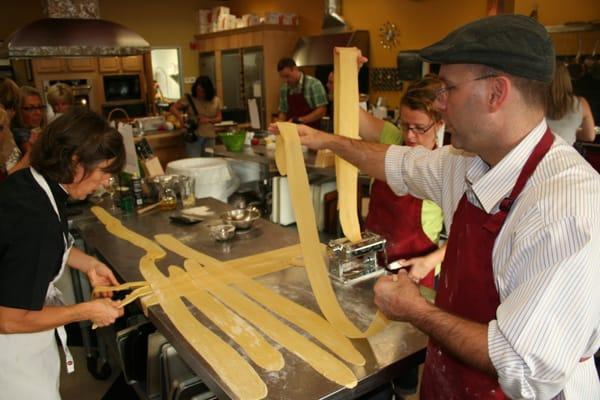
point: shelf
(575, 27)
(255, 28)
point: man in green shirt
(302, 98)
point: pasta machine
(352, 262)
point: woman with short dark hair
(75, 155)
(203, 109)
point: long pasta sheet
(345, 123)
(298, 315)
(231, 367)
(314, 260)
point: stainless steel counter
(266, 158)
(387, 354)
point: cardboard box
(274, 18)
(290, 19)
(203, 29)
(230, 22)
(250, 19)
(204, 17)
(218, 11)
(240, 23)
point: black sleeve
(30, 255)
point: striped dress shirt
(545, 259)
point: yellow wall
(161, 23)
(419, 22)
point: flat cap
(515, 44)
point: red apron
(467, 289)
(299, 107)
(398, 220)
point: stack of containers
(220, 19)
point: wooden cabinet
(132, 64)
(61, 65)
(81, 64)
(109, 64)
(276, 42)
(93, 70)
(48, 65)
(121, 64)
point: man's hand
(309, 137)
(398, 297)
(361, 60)
(100, 275)
(313, 138)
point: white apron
(30, 363)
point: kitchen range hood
(318, 49)
(73, 28)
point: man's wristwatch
(296, 120)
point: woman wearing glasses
(411, 226)
(31, 118)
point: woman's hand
(417, 267)
(34, 135)
(103, 312)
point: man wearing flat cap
(517, 312)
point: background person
(60, 99)
(517, 312)
(30, 119)
(75, 156)
(302, 98)
(203, 109)
(11, 157)
(410, 225)
(569, 116)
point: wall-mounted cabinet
(112, 81)
(59, 65)
(245, 61)
(132, 64)
(120, 64)
(109, 64)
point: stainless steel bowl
(222, 232)
(241, 218)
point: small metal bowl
(241, 218)
(222, 232)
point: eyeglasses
(419, 130)
(33, 108)
(442, 93)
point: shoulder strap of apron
(53, 295)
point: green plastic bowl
(233, 141)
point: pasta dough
(345, 123)
(300, 316)
(231, 367)
(314, 260)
